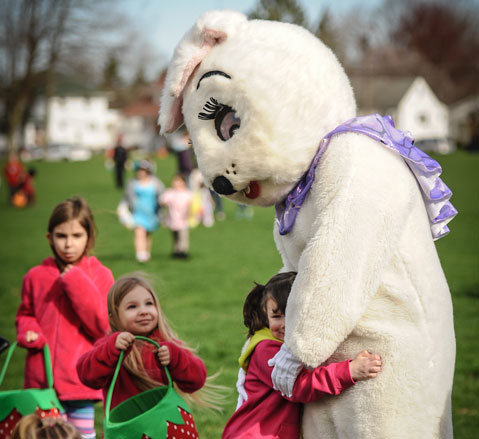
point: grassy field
(203, 296)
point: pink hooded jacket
(266, 414)
(69, 313)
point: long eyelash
(211, 109)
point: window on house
(423, 119)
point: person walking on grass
(178, 200)
(142, 196)
(64, 304)
(262, 411)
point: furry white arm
(357, 207)
(286, 369)
(242, 395)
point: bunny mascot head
(271, 115)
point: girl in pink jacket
(262, 412)
(64, 304)
(134, 310)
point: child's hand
(365, 366)
(163, 354)
(124, 340)
(66, 269)
(31, 336)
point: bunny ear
(211, 28)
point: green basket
(26, 401)
(146, 413)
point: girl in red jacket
(64, 304)
(262, 411)
(133, 309)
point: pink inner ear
(176, 116)
(211, 38)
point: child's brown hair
(254, 309)
(74, 208)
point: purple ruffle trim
(435, 193)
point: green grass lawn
(203, 297)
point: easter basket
(14, 404)
(157, 413)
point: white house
(409, 100)
(75, 120)
(83, 120)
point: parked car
(441, 145)
(64, 151)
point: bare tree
(437, 39)
(37, 37)
(446, 36)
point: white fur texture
(368, 272)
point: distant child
(202, 210)
(13, 172)
(28, 186)
(35, 427)
(134, 309)
(142, 195)
(64, 304)
(178, 200)
(264, 412)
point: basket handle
(117, 370)
(47, 361)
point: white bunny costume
(258, 97)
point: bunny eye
(226, 123)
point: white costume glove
(286, 368)
(242, 395)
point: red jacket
(268, 415)
(68, 312)
(96, 367)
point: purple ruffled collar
(435, 193)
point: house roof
(380, 92)
(143, 108)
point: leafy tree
(289, 11)
(111, 74)
(326, 32)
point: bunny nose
(223, 186)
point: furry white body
(368, 273)
(369, 277)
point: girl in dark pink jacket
(64, 304)
(133, 310)
(262, 412)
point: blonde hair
(207, 397)
(34, 427)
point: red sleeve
(88, 298)
(258, 365)
(186, 369)
(26, 320)
(324, 380)
(96, 367)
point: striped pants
(81, 414)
